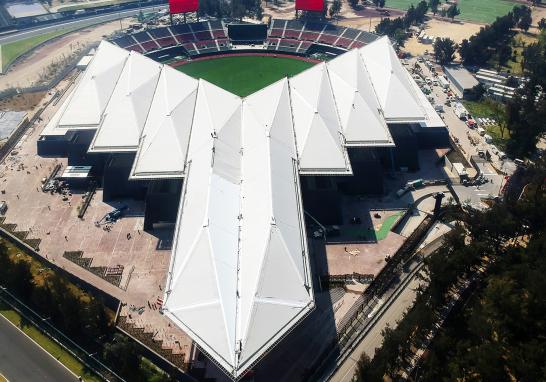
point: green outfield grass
(243, 75)
(12, 50)
(483, 11)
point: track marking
(35, 343)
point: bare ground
(41, 63)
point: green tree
(453, 11)
(122, 353)
(259, 12)
(433, 4)
(444, 50)
(353, 3)
(523, 17)
(542, 24)
(335, 8)
(526, 114)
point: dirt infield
(259, 54)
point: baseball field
(243, 75)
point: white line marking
(35, 343)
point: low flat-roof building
(462, 81)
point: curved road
(77, 23)
(22, 360)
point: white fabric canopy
(127, 111)
(361, 115)
(93, 91)
(316, 124)
(392, 85)
(165, 138)
(239, 277)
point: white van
(481, 131)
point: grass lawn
(519, 42)
(243, 75)
(48, 345)
(91, 5)
(12, 50)
(482, 109)
(483, 11)
(374, 235)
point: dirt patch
(42, 64)
(22, 102)
(457, 31)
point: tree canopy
(498, 330)
(444, 50)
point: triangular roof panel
(393, 88)
(165, 138)
(359, 110)
(95, 88)
(126, 113)
(316, 123)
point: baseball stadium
(243, 141)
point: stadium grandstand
(211, 36)
(233, 165)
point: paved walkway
(23, 360)
(374, 338)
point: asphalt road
(22, 360)
(81, 23)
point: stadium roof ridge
(240, 224)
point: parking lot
(470, 142)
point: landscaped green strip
(482, 11)
(96, 4)
(12, 50)
(371, 234)
(484, 109)
(47, 344)
(387, 225)
(243, 75)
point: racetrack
(244, 74)
(23, 360)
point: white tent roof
(52, 128)
(165, 138)
(202, 287)
(391, 83)
(126, 113)
(316, 124)
(95, 88)
(234, 241)
(239, 278)
(359, 110)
